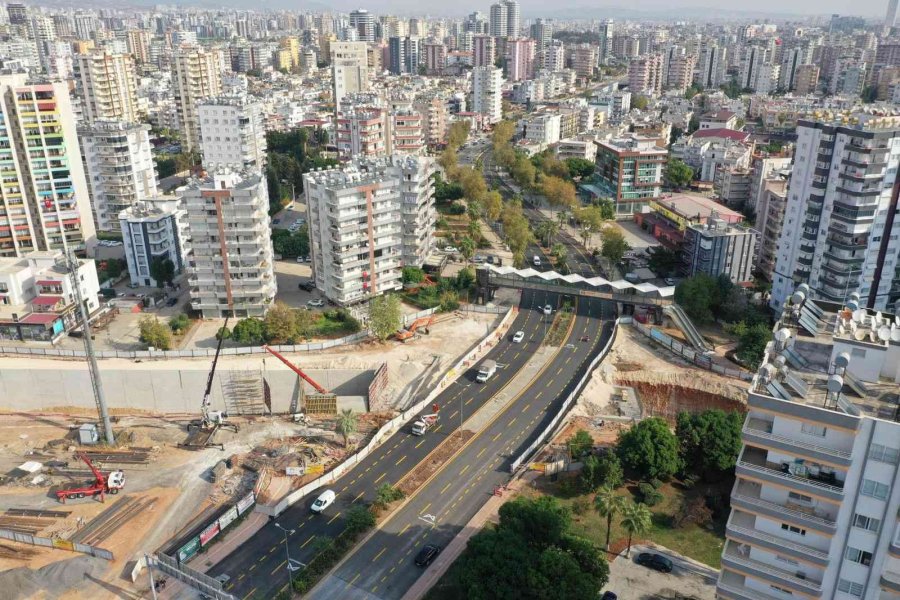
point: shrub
(385, 494)
(649, 494)
(179, 323)
(580, 506)
(155, 334)
(656, 483)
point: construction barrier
(60, 544)
(689, 353)
(195, 579)
(546, 434)
(388, 428)
(190, 548)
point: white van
(536, 261)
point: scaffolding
(245, 392)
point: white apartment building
(542, 129)
(840, 232)
(712, 66)
(196, 76)
(230, 267)
(151, 230)
(232, 132)
(361, 133)
(814, 509)
(349, 69)
(119, 167)
(107, 85)
(487, 93)
(367, 220)
(43, 192)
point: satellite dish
(798, 297)
(780, 361)
(873, 337)
(783, 334)
(852, 304)
(842, 360)
(835, 384)
(859, 315)
(860, 335)
(878, 318)
(884, 333)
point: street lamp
(287, 550)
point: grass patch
(331, 324)
(560, 327)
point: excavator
(201, 432)
(422, 323)
(103, 484)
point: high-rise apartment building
(584, 60)
(119, 167)
(196, 76)
(404, 55)
(138, 42)
(520, 59)
(712, 67)
(484, 51)
(364, 23)
(361, 133)
(815, 504)
(606, 32)
(891, 16)
(807, 80)
(645, 74)
(541, 33)
(232, 132)
(630, 172)
(367, 220)
(349, 69)
(553, 58)
(18, 13)
(152, 230)
(680, 72)
(435, 58)
(43, 193)
(107, 86)
(435, 119)
(230, 268)
(840, 232)
(487, 93)
(505, 19)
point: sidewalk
(488, 513)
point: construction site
(191, 437)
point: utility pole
(96, 384)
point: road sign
(315, 469)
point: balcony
(741, 527)
(732, 586)
(759, 431)
(735, 558)
(797, 476)
(891, 581)
(746, 497)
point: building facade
(718, 248)
(107, 86)
(152, 230)
(630, 171)
(232, 132)
(487, 93)
(196, 76)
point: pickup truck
(424, 423)
(486, 371)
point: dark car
(307, 285)
(427, 554)
(171, 301)
(609, 596)
(657, 562)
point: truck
(109, 483)
(486, 371)
(424, 423)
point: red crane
(297, 370)
(103, 484)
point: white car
(324, 500)
(451, 249)
(315, 303)
(518, 337)
(536, 261)
(548, 310)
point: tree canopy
(709, 441)
(385, 316)
(649, 449)
(614, 244)
(162, 269)
(580, 167)
(678, 175)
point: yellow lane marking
(464, 469)
(278, 568)
(352, 581)
(438, 428)
(358, 497)
(425, 508)
(480, 453)
(250, 593)
(380, 477)
(401, 460)
(496, 437)
(446, 486)
(420, 443)
(405, 528)
(455, 412)
(510, 424)
(308, 541)
(333, 518)
(377, 556)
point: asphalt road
(383, 567)
(258, 569)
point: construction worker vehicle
(424, 423)
(103, 484)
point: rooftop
(698, 208)
(723, 133)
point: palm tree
(467, 248)
(545, 230)
(608, 503)
(636, 520)
(347, 425)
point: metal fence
(195, 579)
(688, 353)
(545, 435)
(60, 544)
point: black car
(657, 562)
(307, 285)
(171, 301)
(609, 596)
(427, 554)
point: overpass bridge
(490, 277)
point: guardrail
(542, 438)
(697, 358)
(59, 543)
(388, 428)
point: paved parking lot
(289, 274)
(636, 237)
(691, 579)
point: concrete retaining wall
(161, 390)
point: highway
(259, 567)
(383, 567)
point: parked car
(223, 578)
(171, 301)
(548, 309)
(307, 285)
(324, 500)
(670, 281)
(609, 596)
(536, 261)
(427, 554)
(654, 561)
(478, 259)
(518, 337)
(451, 249)
(299, 259)
(315, 303)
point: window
(858, 353)
(875, 489)
(793, 529)
(811, 429)
(787, 560)
(782, 590)
(851, 587)
(858, 556)
(795, 497)
(884, 454)
(864, 522)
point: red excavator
(103, 484)
(422, 323)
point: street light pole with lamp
(291, 567)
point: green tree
(359, 518)
(154, 333)
(603, 470)
(649, 449)
(608, 504)
(281, 324)
(607, 208)
(249, 332)
(580, 444)
(560, 256)
(492, 205)
(179, 323)
(662, 260)
(752, 341)
(386, 493)
(678, 175)
(614, 244)
(458, 133)
(413, 275)
(559, 193)
(636, 520)
(580, 168)
(347, 425)
(698, 296)
(162, 270)
(545, 230)
(709, 441)
(223, 333)
(590, 220)
(523, 172)
(385, 316)
(467, 248)
(640, 102)
(449, 160)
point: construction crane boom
(204, 407)
(98, 476)
(297, 370)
